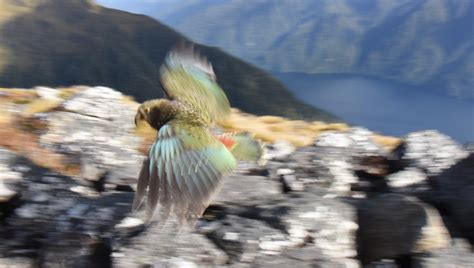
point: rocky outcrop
(454, 194)
(430, 151)
(392, 226)
(342, 202)
(94, 129)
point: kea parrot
(185, 166)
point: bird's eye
(147, 110)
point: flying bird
(186, 164)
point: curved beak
(139, 116)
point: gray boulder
(358, 140)
(392, 226)
(430, 151)
(455, 193)
(273, 226)
(458, 254)
(96, 132)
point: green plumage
(187, 77)
(186, 164)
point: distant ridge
(74, 42)
(424, 43)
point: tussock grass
(68, 92)
(273, 128)
(297, 132)
(17, 95)
(26, 144)
(40, 106)
(130, 101)
(387, 142)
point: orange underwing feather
(227, 141)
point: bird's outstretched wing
(189, 78)
(183, 169)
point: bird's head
(155, 112)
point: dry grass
(17, 95)
(19, 132)
(297, 132)
(267, 128)
(27, 145)
(274, 128)
(387, 142)
(147, 133)
(5, 115)
(40, 106)
(68, 92)
(130, 101)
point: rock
(236, 188)
(332, 161)
(407, 178)
(279, 149)
(84, 191)
(290, 183)
(329, 167)
(8, 175)
(48, 93)
(457, 254)
(332, 210)
(10, 182)
(6, 157)
(97, 126)
(99, 102)
(304, 219)
(334, 139)
(54, 219)
(455, 194)
(343, 176)
(5, 193)
(430, 151)
(358, 140)
(175, 263)
(254, 237)
(157, 243)
(257, 171)
(469, 147)
(377, 165)
(77, 250)
(130, 223)
(392, 226)
(284, 171)
(17, 262)
(97, 145)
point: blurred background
(392, 66)
(366, 108)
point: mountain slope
(428, 43)
(55, 42)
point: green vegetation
(76, 42)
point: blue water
(384, 106)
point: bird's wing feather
(184, 168)
(189, 78)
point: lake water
(384, 106)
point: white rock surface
(432, 151)
(407, 177)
